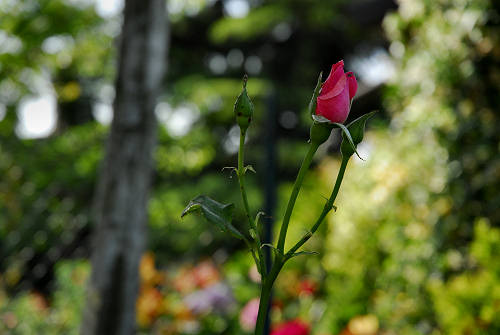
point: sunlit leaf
(215, 212)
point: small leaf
(250, 168)
(231, 168)
(257, 217)
(215, 212)
(301, 253)
(257, 220)
(276, 250)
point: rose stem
(328, 206)
(313, 146)
(265, 295)
(241, 178)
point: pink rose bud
(337, 92)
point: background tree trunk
(123, 186)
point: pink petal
(353, 84)
(335, 90)
(335, 74)
(335, 109)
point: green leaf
(250, 168)
(302, 253)
(215, 212)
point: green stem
(241, 177)
(328, 206)
(259, 261)
(265, 296)
(313, 146)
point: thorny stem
(326, 209)
(259, 259)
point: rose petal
(336, 89)
(335, 74)
(335, 109)
(353, 84)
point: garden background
(414, 245)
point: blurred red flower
(294, 327)
(307, 287)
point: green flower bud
(243, 108)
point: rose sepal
(320, 132)
(323, 123)
(314, 98)
(357, 131)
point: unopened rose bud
(337, 92)
(243, 108)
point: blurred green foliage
(404, 252)
(29, 312)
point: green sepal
(257, 217)
(257, 220)
(249, 168)
(253, 233)
(303, 253)
(243, 108)
(323, 123)
(357, 130)
(317, 89)
(214, 212)
(231, 169)
(276, 251)
(320, 131)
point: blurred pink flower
(294, 327)
(214, 298)
(248, 315)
